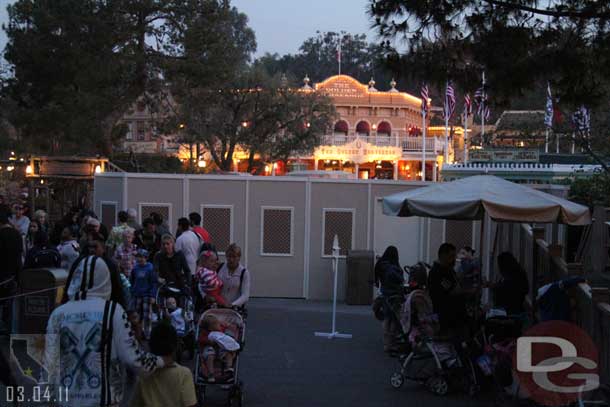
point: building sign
(343, 86)
(359, 152)
(520, 156)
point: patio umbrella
(470, 198)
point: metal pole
(446, 127)
(483, 112)
(466, 136)
(423, 148)
(335, 265)
(546, 140)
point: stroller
(186, 339)
(432, 361)
(236, 328)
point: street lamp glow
(29, 170)
(244, 124)
(201, 164)
(98, 169)
(10, 168)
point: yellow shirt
(167, 386)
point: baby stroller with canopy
(235, 328)
(182, 319)
(432, 360)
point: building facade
(377, 135)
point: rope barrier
(6, 281)
(26, 294)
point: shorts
(212, 351)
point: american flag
(449, 102)
(424, 99)
(480, 98)
(548, 113)
(582, 119)
(467, 105)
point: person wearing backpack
(42, 254)
(235, 278)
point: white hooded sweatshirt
(90, 341)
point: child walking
(143, 289)
(171, 385)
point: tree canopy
(519, 44)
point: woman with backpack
(235, 278)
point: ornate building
(377, 134)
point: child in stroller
(433, 361)
(176, 306)
(221, 334)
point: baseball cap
(142, 253)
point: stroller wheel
(236, 397)
(397, 380)
(438, 385)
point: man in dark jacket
(170, 265)
(11, 248)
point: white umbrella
(469, 199)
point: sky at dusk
(282, 25)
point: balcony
(407, 143)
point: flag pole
(340, 41)
(465, 134)
(446, 125)
(423, 144)
(483, 112)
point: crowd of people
(116, 278)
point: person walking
(203, 234)
(125, 254)
(11, 251)
(189, 244)
(42, 255)
(68, 249)
(19, 220)
(170, 265)
(148, 238)
(89, 339)
(235, 278)
(143, 289)
(391, 284)
(116, 234)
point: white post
(546, 140)
(423, 147)
(573, 143)
(395, 170)
(434, 171)
(335, 261)
(557, 143)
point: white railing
(408, 144)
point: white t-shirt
(177, 320)
(189, 243)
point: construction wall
(285, 225)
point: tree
(259, 115)
(318, 59)
(78, 65)
(519, 44)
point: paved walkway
(284, 364)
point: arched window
(384, 130)
(341, 128)
(363, 129)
